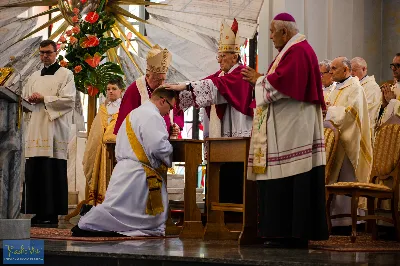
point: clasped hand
(36, 98)
(175, 131)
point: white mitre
(158, 60)
(229, 40)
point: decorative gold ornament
(5, 73)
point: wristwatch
(188, 86)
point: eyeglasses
(323, 73)
(170, 105)
(395, 66)
(46, 52)
(220, 56)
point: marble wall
(390, 35)
(366, 28)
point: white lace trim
(244, 133)
(185, 100)
(203, 91)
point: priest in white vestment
(391, 93)
(52, 91)
(349, 112)
(326, 78)
(136, 202)
(226, 98)
(287, 153)
(359, 69)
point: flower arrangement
(85, 45)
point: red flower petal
(92, 17)
(92, 91)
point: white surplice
(373, 94)
(47, 133)
(327, 91)
(353, 160)
(124, 207)
(295, 134)
(113, 108)
(233, 124)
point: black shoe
(297, 243)
(34, 220)
(76, 231)
(275, 243)
(85, 209)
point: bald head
(340, 69)
(359, 67)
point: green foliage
(91, 73)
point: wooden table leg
(215, 227)
(170, 228)
(192, 225)
(249, 230)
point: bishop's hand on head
(250, 75)
(174, 86)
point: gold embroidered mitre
(229, 40)
(158, 60)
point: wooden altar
(188, 151)
(225, 150)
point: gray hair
(289, 25)
(326, 63)
(359, 61)
(346, 62)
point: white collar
(366, 76)
(50, 65)
(339, 85)
(330, 87)
(233, 68)
(117, 102)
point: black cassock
(45, 191)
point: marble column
(11, 168)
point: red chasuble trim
(298, 75)
(237, 92)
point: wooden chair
(331, 134)
(386, 166)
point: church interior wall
(390, 35)
(373, 37)
(365, 28)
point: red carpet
(65, 234)
(364, 243)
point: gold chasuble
(95, 157)
(154, 176)
(349, 112)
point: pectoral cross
(258, 155)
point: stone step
(73, 197)
(182, 190)
(174, 176)
(177, 194)
(175, 181)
